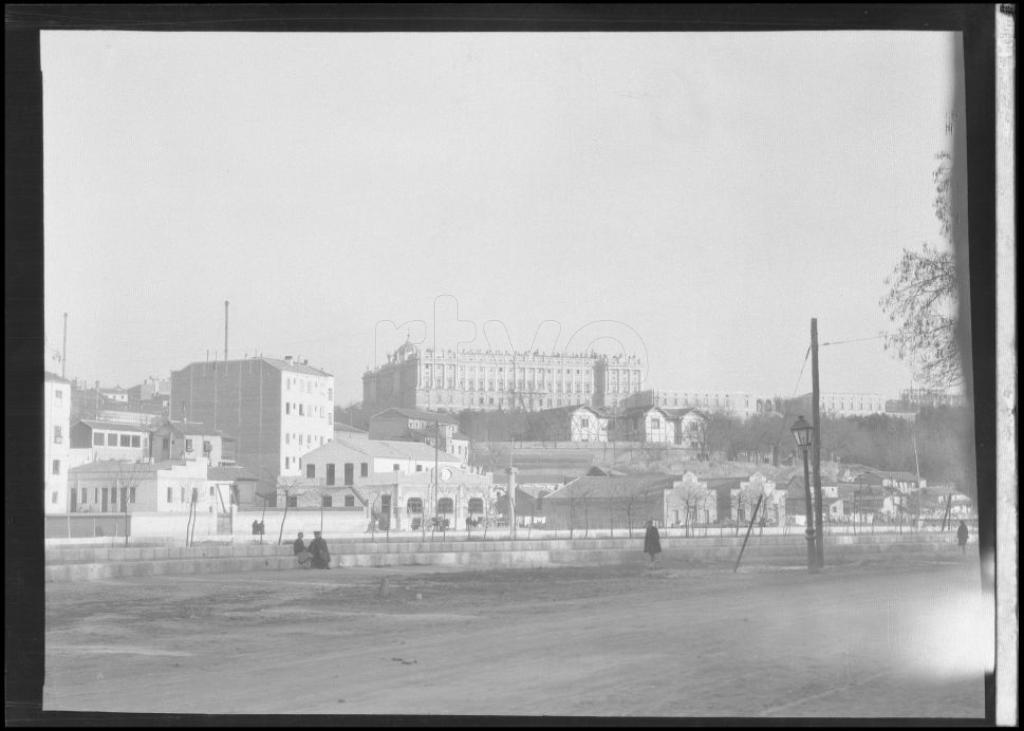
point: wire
(855, 340)
(797, 386)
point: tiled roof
(566, 410)
(119, 466)
(637, 410)
(294, 366)
(342, 427)
(388, 448)
(230, 473)
(417, 414)
(191, 427)
(533, 478)
(278, 363)
(615, 487)
(113, 426)
(677, 413)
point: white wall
(314, 427)
(56, 414)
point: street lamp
(802, 433)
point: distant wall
(336, 521)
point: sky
(695, 198)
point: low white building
(118, 486)
(579, 423)
(348, 462)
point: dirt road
(874, 639)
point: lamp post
(802, 433)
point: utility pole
(437, 475)
(511, 497)
(225, 330)
(816, 444)
(64, 350)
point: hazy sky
(703, 194)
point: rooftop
(278, 363)
(417, 414)
(113, 425)
(389, 448)
(234, 472)
(47, 376)
(348, 428)
(614, 487)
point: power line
(797, 386)
(855, 340)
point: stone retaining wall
(66, 563)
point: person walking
(652, 541)
(318, 550)
(302, 555)
(961, 536)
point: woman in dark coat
(652, 541)
(961, 536)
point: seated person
(303, 556)
(318, 549)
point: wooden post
(280, 532)
(749, 528)
(816, 445)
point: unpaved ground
(880, 638)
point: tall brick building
(276, 410)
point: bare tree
(922, 297)
(125, 485)
(693, 497)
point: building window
(188, 445)
(445, 506)
(170, 494)
(111, 440)
(53, 495)
(287, 462)
(136, 440)
(56, 467)
(655, 423)
(126, 440)
(350, 501)
(287, 407)
(85, 495)
(414, 506)
(293, 501)
(59, 394)
(131, 494)
(207, 447)
(58, 437)
(327, 501)
(476, 505)
(301, 411)
(287, 438)
(97, 439)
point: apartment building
(57, 441)
(275, 409)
